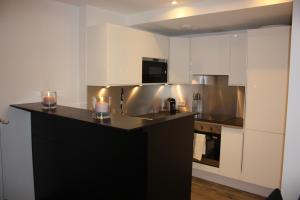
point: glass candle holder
(49, 99)
(101, 107)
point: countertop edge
(137, 122)
(35, 111)
(222, 124)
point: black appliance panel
(155, 71)
(212, 134)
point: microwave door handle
(164, 71)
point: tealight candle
(101, 106)
(49, 99)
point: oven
(211, 144)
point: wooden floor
(205, 190)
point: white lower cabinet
(262, 158)
(250, 156)
(231, 152)
(230, 155)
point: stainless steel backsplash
(138, 100)
(217, 99)
(220, 100)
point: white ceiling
(224, 21)
(130, 6)
(239, 18)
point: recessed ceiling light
(174, 2)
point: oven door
(211, 156)
(213, 143)
(154, 72)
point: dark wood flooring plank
(206, 190)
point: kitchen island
(77, 157)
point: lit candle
(102, 106)
(49, 100)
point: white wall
(95, 16)
(291, 164)
(39, 47)
(42, 46)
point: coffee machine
(171, 105)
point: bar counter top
(117, 121)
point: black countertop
(221, 120)
(118, 121)
(235, 122)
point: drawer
(207, 127)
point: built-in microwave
(154, 70)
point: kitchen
(247, 61)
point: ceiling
(130, 6)
(224, 21)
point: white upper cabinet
(231, 152)
(114, 54)
(238, 59)
(97, 56)
(210, 55)
(125, 56)
(267, 79)
(179, 60)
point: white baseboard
(247, 187)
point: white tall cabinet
(266, 100)
(179, 60)
(114, 54)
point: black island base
(121, 158)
